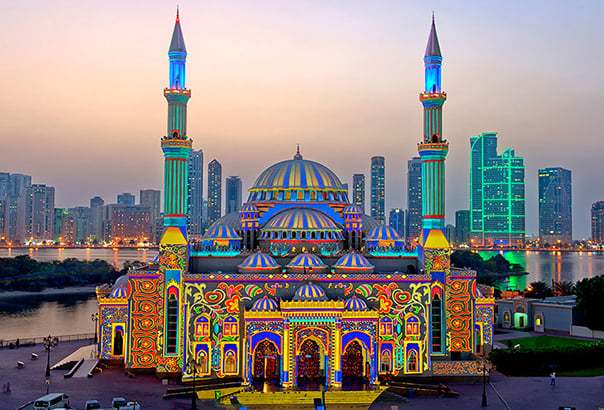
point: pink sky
(82, 105)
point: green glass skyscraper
(496, 194)
(555, 206)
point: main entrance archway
(266, 361)
(353, 364)
(309, 361)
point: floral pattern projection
(459, 309)
(171, 258)
(457, 368)
(403, 305)
(146, 303)
(114, 320)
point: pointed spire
(433, 48)
(178, 41)
(298, 155)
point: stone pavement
(518, 392)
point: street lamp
(49, 343)
(484, 385)
(192, 367)
(95, 318)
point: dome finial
(298, 155)
(178, 14)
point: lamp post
(95, 318)
(192, 367)
(49, 343)
(484, 385)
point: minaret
(176, 145)
(433, 151)
(173, 246)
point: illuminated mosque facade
(299, 284)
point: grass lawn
(538, 342)
(590, 372)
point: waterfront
(38, 314)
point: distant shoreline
(75, 290)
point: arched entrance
(266, 361)
(353, 364)
(309, 361)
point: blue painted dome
(354, 262)
(310, 292)
(120, 288)
(352, 209)
(259, 262)
(221, 232)
(306, 261)
(301, 219)
(265, 304)
(383, 233)
(355, 304)
(249, 208)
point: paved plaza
(518, 392)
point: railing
(29, 341)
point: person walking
(552, 379)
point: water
(38, 315)
(115, 256)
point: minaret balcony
(177, 91)
(432, 96)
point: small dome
(369, 223)
(120, 288)
(310, 292)
(232, 219)
(265, 304)
(352, 209)
(355, 304)
(354, 262)
(249, 208)
(306, 261)
(383, 233)
(259, 262)
(221, 232)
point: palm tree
(564, 288)
(539, 290)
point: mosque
(300, 284)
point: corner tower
(433, 151)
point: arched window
(230, 326)
(506, 316)
(275, 195)
(300, 195)
(436, 324)
(118, 343)
(230, 363)
(386, 326)
(202, 360)
(171, 322)
(287, 195)
(313, 195)
(202, 326)
(386, 361)
(411, 325)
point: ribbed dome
(306, 261)
(355, 304)
(300, 219)
(265, 304)
(383, 233)
(221, 232)
(369, 223)
(120, 288)
(354, 262)
(298, 173)
(249, 208)
(310, 292)
(352, 209)
(259, 262)
(232, 219)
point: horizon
(329, 77)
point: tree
(589, 293)
(539, 290)
(564, 288)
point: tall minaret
(433, 151)
(176, 145)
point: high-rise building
(68, 230)
(195, 191)
(214, 191)
(597, 222)
(378, 179)
(18, 183)
(555, 206)
(496, 193)
(58, 215)
(450, 232)
(126, 199)
(233, 194)
(396, 220)
(39, 211)
(4, 184)
(358, 191)
(96, 218)
(130, 224)
(151, 199)
(462, 227)
(82, 216)
(414, 199)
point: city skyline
(352, 64)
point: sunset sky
(82, 107)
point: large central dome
(298, 173)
